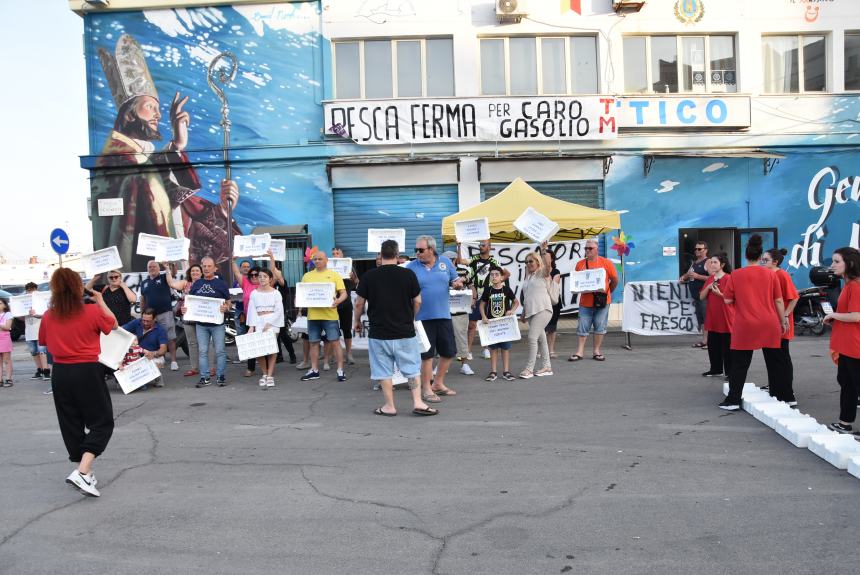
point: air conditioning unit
(627, 5)
(511, 10)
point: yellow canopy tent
(575, 222)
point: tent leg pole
(629, 345)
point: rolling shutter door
(417, 209)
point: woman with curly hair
(71, 331)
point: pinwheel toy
(622, 244)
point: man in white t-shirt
(31, 334)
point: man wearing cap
(157, 187)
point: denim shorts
(384, 353)
(316, 327)
(588, 316)
(504, 346)
(34, 348)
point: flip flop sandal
(598, 357)
(574, 357)
(425, 412)
(444, 392)
(493, 376)
(699, 344)
(431, 398)
(378, 411)
(508, 376)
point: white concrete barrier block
(854, 466)
(797, 430)
(769, 413)
(835, 448)
(755, 405)
(748, 387)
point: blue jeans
(215, 333)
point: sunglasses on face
(253, 275)
(699, 249)
(589, 247)
(113, 277)
(420, 250)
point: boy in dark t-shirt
(498, 301)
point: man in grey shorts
(155, 294)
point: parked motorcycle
(809, 311)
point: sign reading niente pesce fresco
(375, 122)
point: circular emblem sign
(689, 11)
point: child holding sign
(265, 311)
(498, 301)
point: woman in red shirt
(71, 331)
(759, 319)
(845, 337)
(718, 320)
(780, 377)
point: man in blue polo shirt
(155, 293)
(436, 274)
(151, 337)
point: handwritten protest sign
(111, 207)
(314, 294)
(203, 309)
(472, 230)
(499, 330)
(253, 245)
(588, 280)
(163, 249)
(114, 347)
(375, 237)
(136, 374)
(101, 261)
(20, 305)
(257, 344)
(279, 251)
(343, 266)
(460, 301)
(659, 308)
(536, 225)
(422, 337)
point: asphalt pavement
(622, 466)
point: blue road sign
(60, 241)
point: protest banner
(114, 347)
(588, 280)
(314, 294)
(512, 258)
(536, 225)
(252, 245)
(460, 301)
(499, 330)
(257, 344)
(422, 336)
(279, 251)
(136, 374)
(375, 237)
(343, 266)
(203, 309)
(38, 301)
(472, 230)
(659, 308)
(101, 261)
(163, 249)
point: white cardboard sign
(279, 251)
(111, 207)
(472, 230)
(252, 245)
(300, 325)
(343, 266)
(660, 308)
(460, 301)
(588, 280)
(314, 294)
(257, 344)
(20, 305)
(114, 347)
(136, 374)
(375, 237)
(422, 337)
(163, 249)
(203, 309)
(536, 225)
(499, 330)
(101, 261)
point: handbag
(599, 296)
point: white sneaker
(326, 366)
(263, 381)
(469, 356)
(302, 365)
(466, 370)
(86, 484)
(174, 366)
(486, 353)
(270, 381)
